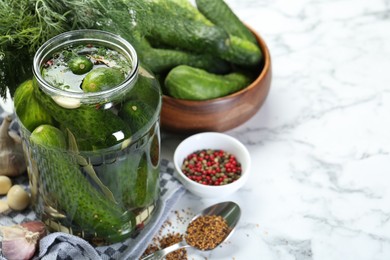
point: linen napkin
(60, 245)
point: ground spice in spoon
(165, 241)
(207, 232)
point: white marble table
(320, 184)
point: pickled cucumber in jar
(106, 107)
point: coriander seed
(207, 232)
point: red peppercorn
(201, 165)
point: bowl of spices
(212, 164)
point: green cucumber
(192, 12)
(48, 136)
(140, 192)
(162, 60)
(120, 178)
(136, 113)
(30, 113)
(190, 35)
(66, 185)
(146, 183)
(218, 12)
(102, 78)
(185, 82)
(154, 174)
(92, 127)
(80, 65)
(147, 89)
(131, 180)
(239, 50)
(194, 35)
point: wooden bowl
(220, 114)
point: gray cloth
(64, 246)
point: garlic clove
(20, 242)
(15, 246)
(5, 184)
(15, 137)
(18, 198)
(4, 208)
(36, 227)
(18, 249)
(12, 160)
(12, 232)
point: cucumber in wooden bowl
(222, 113)
(190, 83)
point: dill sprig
(18, 24)
(27, 24)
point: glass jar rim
(105, 38)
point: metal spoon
(229, 210)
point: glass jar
(102, 184)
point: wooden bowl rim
(264, 71)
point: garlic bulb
(12, 162)
(19, 242)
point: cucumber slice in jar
(80, 65)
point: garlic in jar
(12, 162)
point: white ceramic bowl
(215, 141)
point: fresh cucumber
(190, 35)
(162, 60)
(239, 50)
(30, 113)
(93, 128)
(185, 82)
(200, 38)
(70, 190)
(192, 11)
(194, 35)
(218, 12)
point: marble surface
(320, 145)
